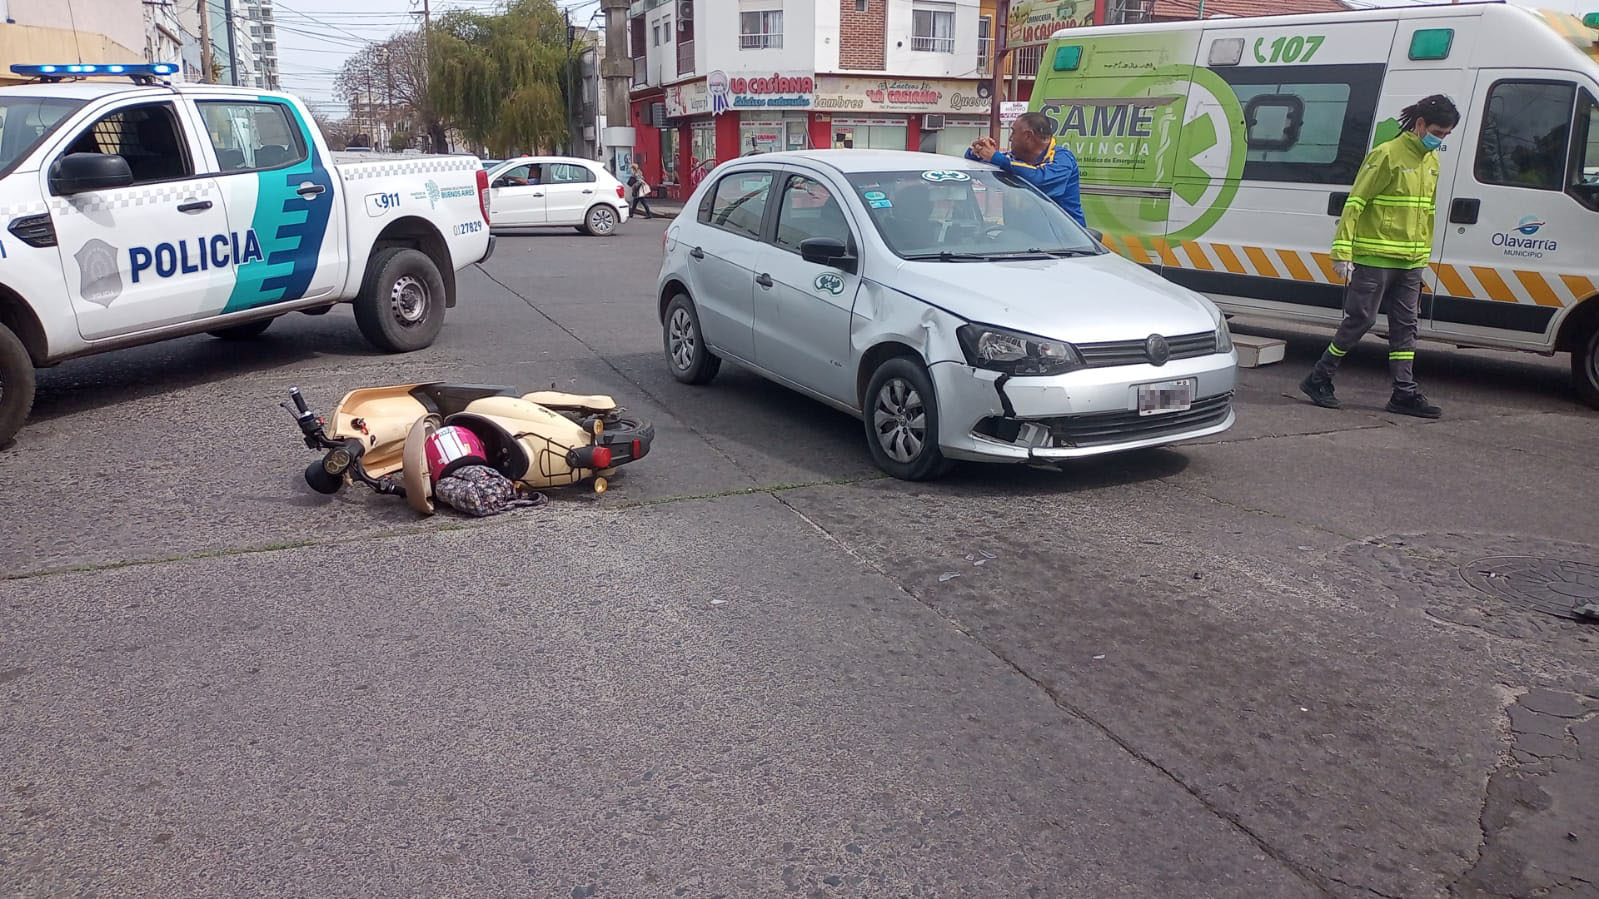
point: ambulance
(1220, 153)
(134, 210)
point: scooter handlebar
(299, 402)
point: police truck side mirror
(76, 173)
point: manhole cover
(1551, 586)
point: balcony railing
(933, 44)
(761, 41)
(685, 57)
(1024, 61)
(985, 55)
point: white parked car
(954, 308)
(541, 191)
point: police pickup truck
(132, 210)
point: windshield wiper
(946, 256)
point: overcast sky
(315, 37)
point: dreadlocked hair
(1434, 110)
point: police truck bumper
(489, 251)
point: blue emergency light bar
(67, 70)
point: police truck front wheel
(1585, 364)
(401, 306)
(16, 384)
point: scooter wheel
(317, 476)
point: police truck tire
(1585, 364)
(401, 306)
(246, 331)
(16, 385)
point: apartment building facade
(48, 31)
(717, 79)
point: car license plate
(1166, 396)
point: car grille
(1102, 428)
(1131, 352)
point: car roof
(852, 161)
(523, 160)
(94, 89)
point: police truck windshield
(967, 215)
(25, 121)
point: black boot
(1320, 391)
(1413, 404)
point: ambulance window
(146, 136)
(1525, 133)
(1583, 182)
(252, 137)
(1305, 124)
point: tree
(391, 78)
(499, 79)
(337, 134)
(401, 140)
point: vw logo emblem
(1156, 348)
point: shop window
(1306, 124)
(933, 28)
(737, 203)
(1525, 133)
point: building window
(760, 29)
(655, 34)
(1306, 124)
(860, 5)
(666, 30)
(933, 29)
(985, 43)
(1525, 133)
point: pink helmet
(452, 447)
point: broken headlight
(1016, 353)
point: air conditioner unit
(658, 115)
(933, 121)
(685, 9)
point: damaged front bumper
(990, 417)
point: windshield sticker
(937, 176)
(880, 204)
(876, 195)
(829, 282)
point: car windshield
(25, 121)
(967, 214)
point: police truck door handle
(195, 206)
(1463, 211)
(697, 253)
(309, 190)
(763, 279)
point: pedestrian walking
(641, 192)
(1382, 244)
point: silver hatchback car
(952, 307)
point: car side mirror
(827, 251)
(76, 173)
(1097, 235)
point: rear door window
(737, 203)
(252, 137)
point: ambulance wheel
(16, 385)
(246, 331)
(1585, 364)
(401, 306)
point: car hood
(1085, 299)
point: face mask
(1431, 141)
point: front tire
(902, 421)
(401, 306)
(16, 385)
(686, 354)
(600, 220)
(1585, 364)
(246, 331)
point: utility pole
(233, 50)
(205, 40)
(997, 74)
(617, 70)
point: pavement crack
(658, 401)
(1309, 875)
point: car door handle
(195, 206)
(309, 190)
(763, 279)
(1464, 211)
(538, 195)
(697, 253)
(588, 191)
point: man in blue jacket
(1035, 156)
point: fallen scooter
(403, 439)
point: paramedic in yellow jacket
(1383, 242)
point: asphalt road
(1287, 661)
